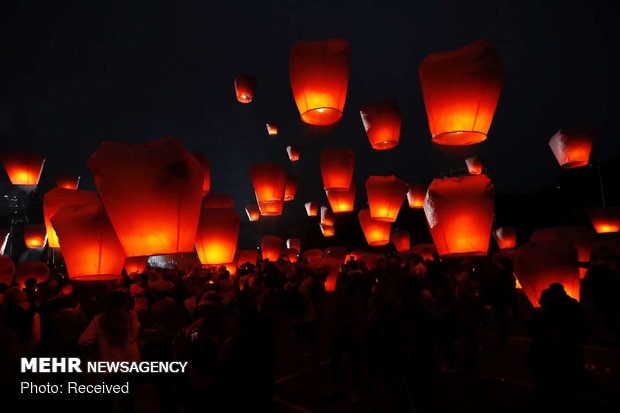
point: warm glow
(385, 197)
(605, 220)
(312, 208)
(377, 233)
(246, 256)
(217, 200)
(136, 265)
(68, 181)
(23, 168)
(216, 239)
(337, 166)
(312, 254)
(474, 165)
(271, 247)
(272, 129)
(293, 153)
(382, 124)
(506, 237)
(581, 238)
(269, 181)
(57, 198)
(572, 147)
(425, 251)
(35, 236)
(415, 196)
(294, 243)
(401, 241)
(290, 189)
(245, 86)
(253, 212)
(290, 254)
(327, 216)
(342, 201)
(31, 269)
(7, 269)
(327, 230)
(206, 167)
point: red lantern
(253, 212)
(4, 238)
(272, 128)
(217, 200)
(313, 254)
(474, 165)
(136, 265)
(269, 181)
(415, 196)
(385, 196)
(319, 73)
(538, 264)
(425, 251)
(605, 220)
(246, 256)
(245, 86)
(7, 270)
(35, 236)
(342, 201)
(216, 239)
(294, 243)
(31, 269)
(382, 123)
(23, 168)
(289, 254)
(337, 168)
(572, 147)
(459, 213)
(377, 233)
(206, 167)
(461, 89)
(312, 208)
(581, 238)
(152, 193)
(184, 262)
(327, 230)
(327, 216)
(57, 198)
(271, 247)
(293, 153)
(401, 241)
(90, 246)
(506, 237)
(68, 181)
(290, 189)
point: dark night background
(75, 73)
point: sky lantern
(253, 212)
(385, 197)
(337, 166)
(271, 246)
(31, 269)
(152, 193)
(538, 264)
(68, 181)
(319, 74)
(461, 89)
(581, 238)
(217, 236)
(377, 233)
(327, 230)
(35, 236)
(312, 254)
(206, 167)
(415, 196)
(293, 153)
(312, 208)
(382, 123)
(269, 181)
(56, 198)
(425, 250)
(217, 200)
(506, 237)
(90, 246)
(246, 256)
(4, 238)
(327, 216)
(459, 213)
(136, 265)
(7, 269)
(342, 201)
(272, 128)
(290, 189)
(290, 254)
(294, 243)
(572, 147)
(401, 240)
(23, 168)
(245, 86)
(605, 220)
(474, 165)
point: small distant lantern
(247, 256)
(68, 181)
(385, 197)
(474, 165)
(36, 270)
(136, 265)
(206, 167)
(506, 237)
(217, 235)
(342, 201)
(415, 196)
(293, 153)
(605, 220)
(327, 230)
(272, 128)
(294, 243)
(327, 216)
(312, 208)
(245, 87)
(271, 246)
(290, 189)
(572, 147)
(401, 241)
(377, 233)
(337, 165)
(35, 236)
(382, 123)
(253, 212)
(23, 169)
(57, 198)
(269, 181)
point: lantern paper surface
(327, 216)
(401, 241)
(571, 147)
(382, 122)
(474, 165)
(269, 181)
(425, 251)
(23, 168)
(293, 153)
(337, 166)
(271, 246)
(385, 197)
(581, 238)
(206, 168)
(605, 220)
(294, 243)
(342, 201)
(253, 212)
(246, 256)
(312, 254)
(68, 181)
(290, 254)
(290, 189)
(312, 208)
(35, 236)
(415, 196)
(57, 198)
(217, 236)
(272, 128)
(377, 233)
(136, 265)
(31, 269)
(245, 87)
(217, 200)
(506, 237)
(7, 270)
(327, 230)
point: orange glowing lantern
(605, 220)
(245, 86)
(7, 270)
(506, 237)
(294, 243)
(461, 89)
(327, 230)
(312, 208)
(290, 189)
(68, 181)
(23, 168)
(474, 165)
(401, 241)
(152, 193)
(572, 147)
(293, 153)
(337, 166)
(459, 213)
(385, 197)
(253, 212)
(247, 256)
(36, 270)
(214, 200)
(415, 196)
(136, 265)
(272, 128)
(312, 254)
(581, 238)
(319, 74)
(538, 264)
(271, 246)
(206, 167)
(290, 254)
(342, 201)
(57, 198)
(377, 233)
(35, 236)
(382, 123)
(269, 181)
(426, 251)
(89, 244)
(4, 238)
(327, 216)
(216, 239)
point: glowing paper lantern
(152, 193)
(461, 89)
(425, 251)
(327, 230)
(415, 196)
(31, 269)
(253, 212)
(327, 216)
(216, 239)
(246, 256)
(385, 197)
(271, 247)
(90, 246)
(581, 238)
(272, 128)
(7, 270)
(136, 265)
(506, 237)
(294, 243)
(342, 201)
(312, 254)
(35, 236)
(572, 147)
(337, 166)
(382, 123)
(538, 264)
(206, 167)
(293, 153)
(474, 165)
(217, 200)
(377, 233)
(269, 181)
(68, 181)
(4, 238)
(401, 241)
(319, 74)
(312, 208)
(605, 220)
(290, 189)
(57, 198)
(245, 86)
(23, 168)
(459, 213)
(289, 254)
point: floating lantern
(377, 233)
(289, 254)
(216, 239)
(215, 200)
(572, 147)
(581, 238)
(57, 198)
(461, 89)
(426, 251)
(401, 241)
(136, 265)
(68, 181)
(382, 123)
(327, 230)
(294, 243)
(459, 213)
(312, 208)
(206, 167)
(7, 270)
(23, 168)
(415, 196)
(319, 74)
(474, 165)
(35, 236)
(337, 166)
(342, 201)
(272, 128)
(269, 181)
(312, 254)
(293, 153)
(253, 212)
(246, 256)
(605, 220)
(290, 189)
(4, 238)
(36, 270)
(506, 237)
(245, 86)
(271, 247)
(385, 197)
(327, 216)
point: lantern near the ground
(327, 216)
(68, 181)
(217, 200)
(312, 254)
(206, 167)
(312, 208)
(605, 220)
(290, 189)
(136, 265)
(415, 196)
(425, 250)
(35, 236)
(506, 237)
(23, 169)
(270, 247)
(57, 198)
(4, 238)
(571, 147)
(7, 269)
(245, 87)
(152, 193)
(293, 153)
(538, 264)
(253, 212)
(337, 165)
(474, 165)
(247, 256)
(36, 270)
(294, 243)
(216, 239)
(459, 213)
(342, 201)
(461, 89)
(272, 128)
(581, 238)
(327, 230)
(401, 241)
(377, 233)
(90, 246)
(269, 181)
(385, 197)
(382, 122)
(319, 74)
(290, 254)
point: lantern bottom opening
(384, 145)
(271, 208)
(464, 254)
(575, 164)
(457, 138)
(94, 278)
(322, 116)
(244, 99)
(380, 243)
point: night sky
(75, 73)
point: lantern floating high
(459, 213)
(136, 265)
(293, 153)
(327, 230)
(571, 147)
(271, 246)
(319, 74)
(269, 181)
(35, 236)
(382, 123)
(216, 239)
(337, 166)
(206, 167)
(342, 201)
(245, 87)
(461, 89)
(23, 168)
(57, 198)
(385, 197)
(327, 216)
(290, 189)
(312, 208)
(36, 270)
(217, 200)
(7, 270)
(253, 212)
(272, 128)
(415, 196)
(401, 241)
(506, 237)
(294, 243)
(605, 220)
(474, 165)
(377, 233)
(68, 181)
